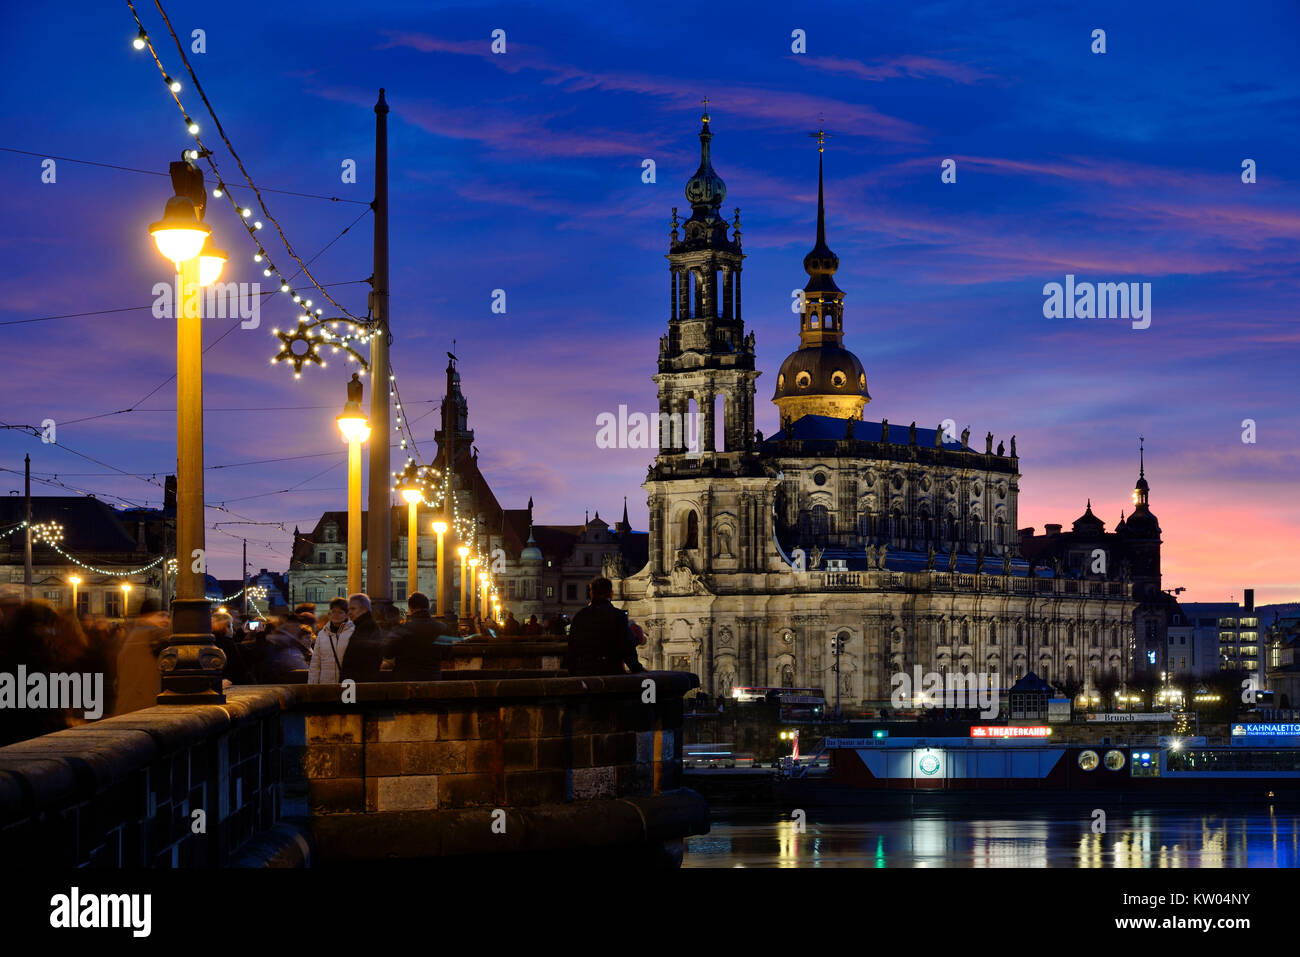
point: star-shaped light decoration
(313, 332)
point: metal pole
(442, 580)
(27, 538)
(354, 519)
(412, 549)
(379, 583)
(192, 663)
(244, 574)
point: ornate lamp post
(352, 423)
(483, 580)
(126, 599)
(74, 581)
(191, 665)
(413, 493)
(440, 529)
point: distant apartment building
(1231, 628)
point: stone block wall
(495, 743)
(122, 792)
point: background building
(102, 546)
(896, 543)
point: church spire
(821, 377)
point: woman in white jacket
(331, 645)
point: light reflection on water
(1056, 837)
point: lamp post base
(192, 663)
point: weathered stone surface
(383, 759)
(337, 795)
(467, 790)
(526, 788)
(588, 783)
(456, 725)
(334, 728)
(412, 726)
(434, 757)
(520, 754)
(408, 793)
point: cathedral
(897, 543)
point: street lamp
(413, 493)
(126, 598)
(352, 423)
(191, 664)
(471, 593)
(483, 579)
(463, 552)
(440, 529)
(74, 581)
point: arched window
(943, 633)
(819, 522)
(1020, 633)
(1114, 636)
(993, 633)
(965, 633)
(1046, 633)
(787, 676)
(691, 533)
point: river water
(952, 837)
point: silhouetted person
(414, 643)
(223, 635)
(532, 627)
(288, 652)
(367, 647)
(600, 641)
(511, 625)
(139, 682)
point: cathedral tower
(821, 377)
(706, 354)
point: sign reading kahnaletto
(1130, 716)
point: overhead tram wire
(206, 154)
(109, 312)
(154, 172)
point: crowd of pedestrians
(350, 641)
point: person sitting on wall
(600, 639)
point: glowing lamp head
(411, 495)
(483, 576)
(352, 421)
(73, 579)
(440, 528)
(179, 235)
(353, 424)
(473, 563)
(462, 550)
(126, 586)
(211, 261)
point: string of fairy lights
(51, 534)
(302, 345)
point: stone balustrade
(483, 763)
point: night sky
(523, 172)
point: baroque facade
(540, 570)
(899, 542)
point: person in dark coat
(511, 625)
(368, 647)
(600, 640)
(223, 636)
(139, 681)
(415, 643)
(288, 652)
